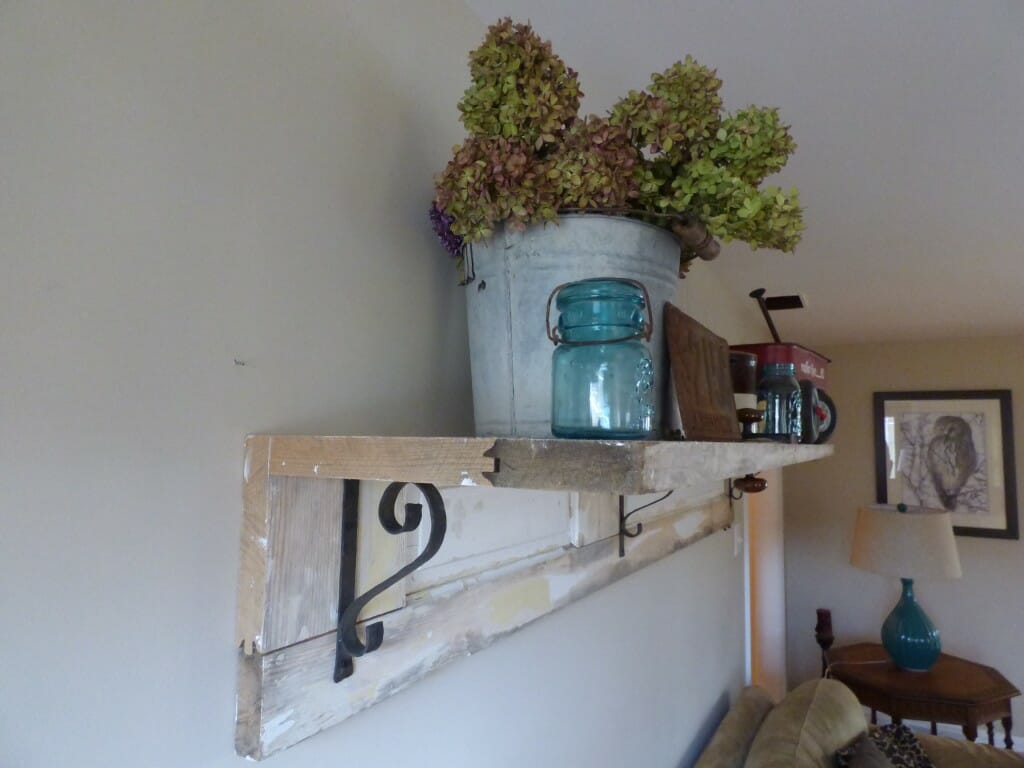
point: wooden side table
(953, 691)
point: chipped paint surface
(511, 555)
(273, 729)
(296, 696)
(527, 598)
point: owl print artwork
(949, 450)
(942, 461)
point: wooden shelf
(309, 528)
(599, 466)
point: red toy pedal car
(819, 412)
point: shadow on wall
(706, 731)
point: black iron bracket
(624, 532)
(347, 572)
(348, 643)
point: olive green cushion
(949, 753)
(805, 730)
(729, 746)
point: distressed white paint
(595, 516)
(488, 528)
(280, 725)
(303, 555)
(592, 517)
(441, 624)
(496, 538)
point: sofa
(815, 721)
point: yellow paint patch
(520, 602)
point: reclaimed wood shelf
(322, 552)
(597, 466)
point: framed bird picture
(950, 450)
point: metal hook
(624, 532)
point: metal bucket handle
(646, 335)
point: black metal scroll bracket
(624, 532)
(348, 643)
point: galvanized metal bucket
(513, 274)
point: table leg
(971, 731)
(1008, 732)
(991, 734)
(897, 720)
(874, 717)
(935, 730)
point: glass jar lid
(601, 309)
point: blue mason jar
(602, 374)
(780, 393)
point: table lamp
(909, 543)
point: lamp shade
(914, 544)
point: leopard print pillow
(897, 742)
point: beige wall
(213, 222)
(767, 577)
(980, 616)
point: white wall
(185, 185)
(981, 615)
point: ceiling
(909, 120)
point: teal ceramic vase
(908, 635)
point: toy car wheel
(826, 417)
(810, 417)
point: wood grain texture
(288, 695)
(252, 567)
(594, 516)
(596, 466)
(686, 464)
(954, 690)
(304, 559)
(290, 541)
(952, 680)
(567, 465)
(303, 554)
(700, 374)
(636, 467)
(437, 460)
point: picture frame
(951, 450)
